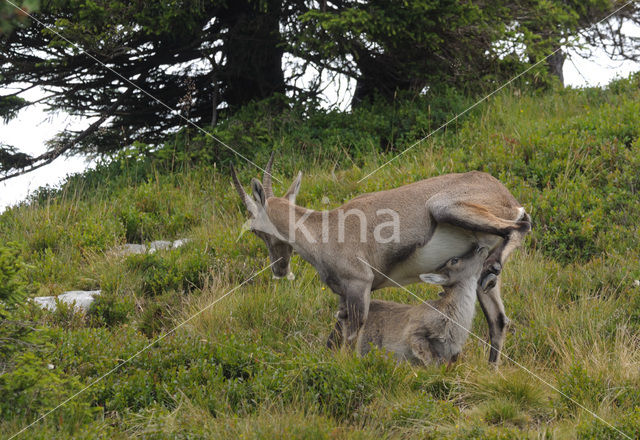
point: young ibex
(402, 232)
(434, 331)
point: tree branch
(51, 155)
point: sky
(33, 126)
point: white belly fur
(447, 242)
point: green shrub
(338, 389)
(157, 313)
(208, 374)
(34, 386)
(96, 234)
(66, 316)
(578, 385)
(12, 283)
(629, 424)
(48, 235)
(110, 309)
(155, 211)
(170, 271)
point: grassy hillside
(253, 365)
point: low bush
(161, 272)
(12, 279)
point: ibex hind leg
(478, 218)
(496, 260)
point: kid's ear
(434, 278)
(258, 191)
(294, 189)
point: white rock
(158, 245)
(46, 302)
(636, 283)
(180, 242)
(82, 299)
(154, 246)
(131, 248)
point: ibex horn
(266, 178)
(250, 204)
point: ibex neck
(462, 301)
(300, 227)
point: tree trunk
(378, 77)
(253, 49)
(555, 63)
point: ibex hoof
(488, 281)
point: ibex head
(279, 250)
(459, 269)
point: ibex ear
(258, 191)
(434, 278)
(294, 189)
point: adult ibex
(426, 223)
(432, 332)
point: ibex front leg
(493, 309)
(355, 296)
(356, 303)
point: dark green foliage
(391, 47)
(33, 386)
(156, 314)
(166, 369)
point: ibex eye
(454, 261)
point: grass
(254, 365)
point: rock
(46, 302)
(636, 283)
(158, 245)
(82, 299)
(180, 242)
(131, 248)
